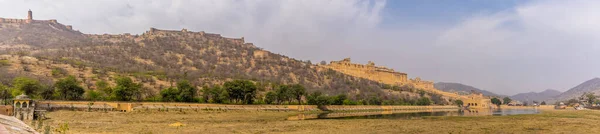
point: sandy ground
(549, 121)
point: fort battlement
(30, 20)
(369, 71)
(160, 32)
(383, 75)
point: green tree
(423, 101)
(496, 101)
(170, 94)
(590, 97)
(126, 89)
(339, 99)
(104, 87)
(317, 98)
(543, 103)
(270, 97)
(187, 92)
(4, 94)
(297, 92)
(68, 88)
(507, 100)
(374, 100)
(459, 103)
(24, 85)
(241, 90)
(93, 95)
(284, 93)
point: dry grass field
(549, 121)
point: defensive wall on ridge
(383, 75)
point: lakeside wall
(141, 106)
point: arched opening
(17, 104)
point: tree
(4, 94)
(423, 101)
(323, 63)
(187, 92)
(339, 99)
(104, 87)
(543, 103)
(459, 103)
(24, 85)
(68, 88)
(507, 100)
(284, 93)
(496, 101)
(590, 97)
(93, 95)
(317, 98)
(297, 92)
(170, 94)
(126, 89)
(241, 90)
(270, 97)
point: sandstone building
(390, 76)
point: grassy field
(549, 121)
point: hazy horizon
(506, 47)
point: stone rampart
(383, 75)
(369, 71)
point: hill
(461, 88)
(545, 95)
(48, 50)
(592, 85)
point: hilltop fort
(30, 20)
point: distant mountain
(545, 95)
(592, 85)
(461, 88)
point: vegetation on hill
(58, 63)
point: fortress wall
(369, 72)
(6, 20)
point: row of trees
(231, 92)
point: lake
(412, 114)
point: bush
(241, 90)
(423, 101)
(169, 94)
(68, 88)
(24, 85)
(126, 89)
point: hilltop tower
(29, 16)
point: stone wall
(369, 71)
(384, 75)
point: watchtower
(29, 16)
(24, 107)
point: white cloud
(538, 45)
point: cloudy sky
(504, 46)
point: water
(412, 114)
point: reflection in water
(412, 114)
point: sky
(503, 46)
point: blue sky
(440, 12)
(504, 46)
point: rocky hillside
(461, 88)
(592, 85)
(158, 58)
(545, 95)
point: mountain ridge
(462, 88)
